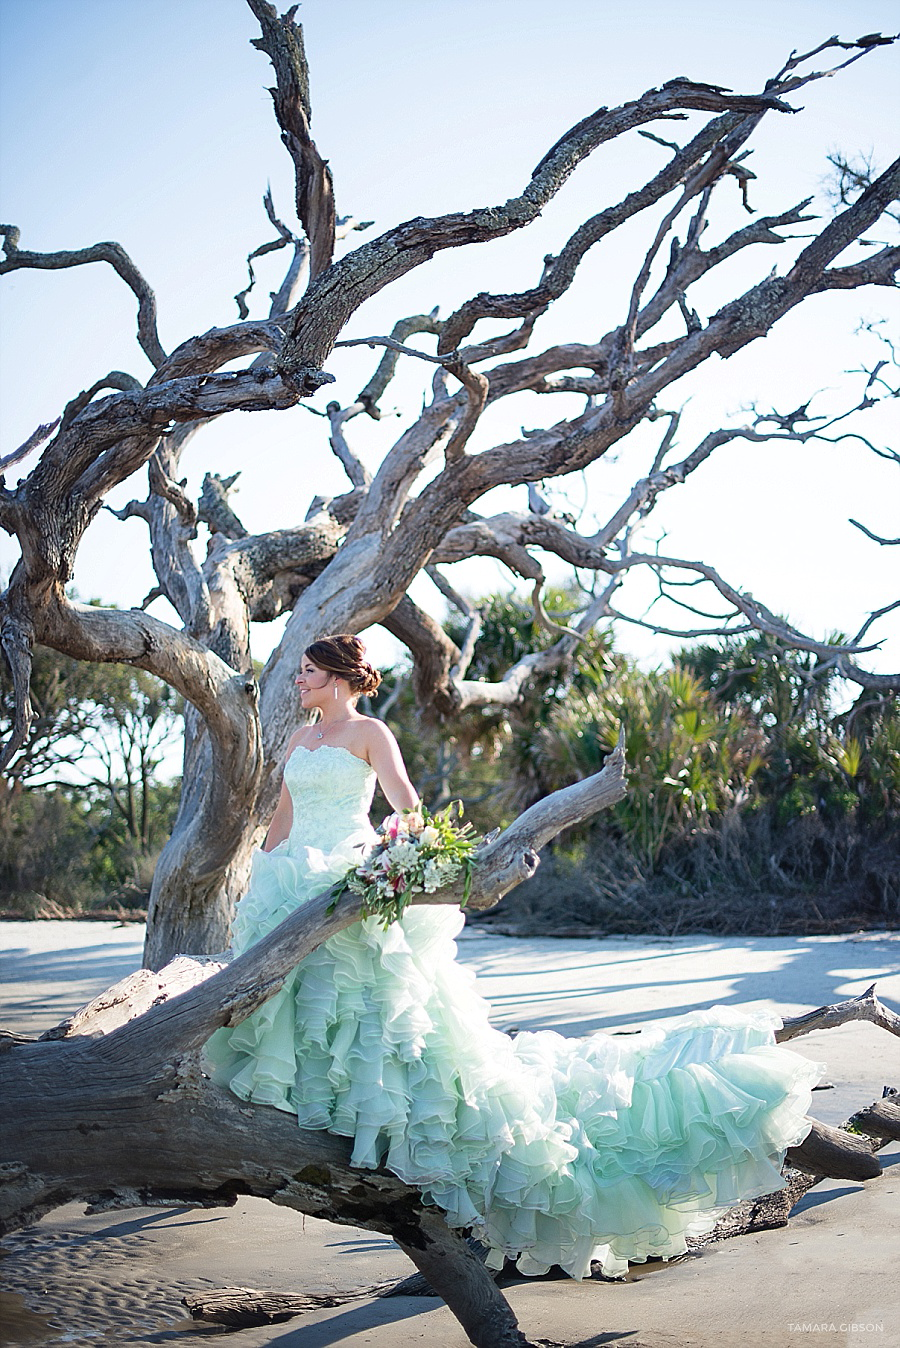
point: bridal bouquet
(417, 853)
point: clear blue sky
(150, 124)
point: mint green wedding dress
(555, 1150)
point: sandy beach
(117, 1278)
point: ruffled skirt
(557, 1150)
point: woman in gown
(556, 1150)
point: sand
(117, 1278)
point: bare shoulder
(376, 736)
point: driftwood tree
(350, 563)
(82, 1105)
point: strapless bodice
(331, 792)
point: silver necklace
(320, 734)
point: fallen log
(880, 1120)
(835, 1154)
(242, 1307)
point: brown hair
(344, 655)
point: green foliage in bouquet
(418, 852)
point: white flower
(429, 836)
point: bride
(556, 1150)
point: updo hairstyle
(344, 655)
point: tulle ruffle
(559, 1151)
(283, 880)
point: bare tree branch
(216, 347)
(402, 329)
(282, 41)
(469, 611)
(866, 1006)
(356, 470)
(113, 253)
(37, 437)
(394, 346)
(434, 655)
(17, 640)
(338, 292)
(116, 379)
(112, 437)
(876, 538)
(214, 508)
(300, 259)
(476, 386)
(174, 493)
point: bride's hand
(403, 821)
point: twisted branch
(339, 291)
(282, 42)
(112, 253)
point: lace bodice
(331, 791)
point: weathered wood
(864, 1007)
(242, 1307)
(134, 995)
(880, 1120)
(461, 1278)
(835, 1153)
(132, 1130)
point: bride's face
(314, 684)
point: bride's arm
(385, 757)
(282, 820)
(283, 817)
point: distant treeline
(84, 812)
(759, 801)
